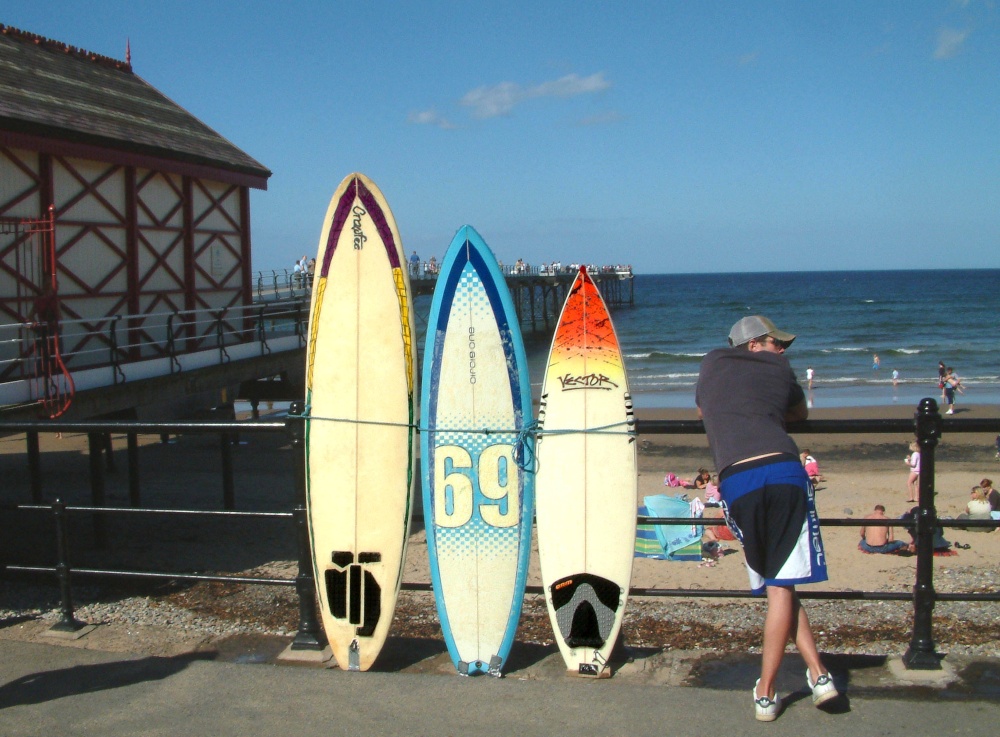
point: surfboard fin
(496, 662)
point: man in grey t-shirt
(745, 394)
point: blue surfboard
(478, 500)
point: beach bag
(672, 537)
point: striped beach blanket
(650, 540)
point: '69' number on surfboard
(454, 485)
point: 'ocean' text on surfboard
(472, 354)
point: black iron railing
(927, 425)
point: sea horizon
(911, 318)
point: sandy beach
(860, 471)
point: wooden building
(149, 207)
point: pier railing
(927, 425)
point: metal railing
(927, 426)
(309, 635)
(113, 350)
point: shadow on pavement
(38, 688)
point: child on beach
(811, 466)
(913, 480)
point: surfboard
(586, 482)
(360, 432)
(478, 500)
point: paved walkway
(58, 689)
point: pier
(538, 292)
(172, 364)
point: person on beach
(745, 394)
(895, 377)
(878, 539)
(942, 373)
(810, 375)
(992, 495)
(977, 508)
(703, 479)
(952, 384)
(713, 497)
(876, 363)
(940, 544)
(811, 465)
(913, 479)
(414, 264)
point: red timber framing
(130, 239)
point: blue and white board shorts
(770, 508)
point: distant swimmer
(876, 363)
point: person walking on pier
(745, 395)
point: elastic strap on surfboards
(307, 415)
(531, 429)
(523, 450)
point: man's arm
(797, 412)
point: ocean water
(912, 319)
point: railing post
(921, 654)
(68, 623)
(299, 332)
(109, 452)
(134, 497)
(34, 466)
(95, 444)
(117, 374)
(228, 492)
(310, 635)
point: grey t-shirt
(743, 398)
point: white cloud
(429, 117)
(950, 42)
(501, 99)
(748, 59)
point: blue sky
(674, 136)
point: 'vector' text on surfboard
(587, 381)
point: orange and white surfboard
(586, 483)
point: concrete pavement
(61, 689)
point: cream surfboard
(360, 432)
(478, 500)
(586, 482)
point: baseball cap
(757, 326)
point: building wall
(130, 240)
